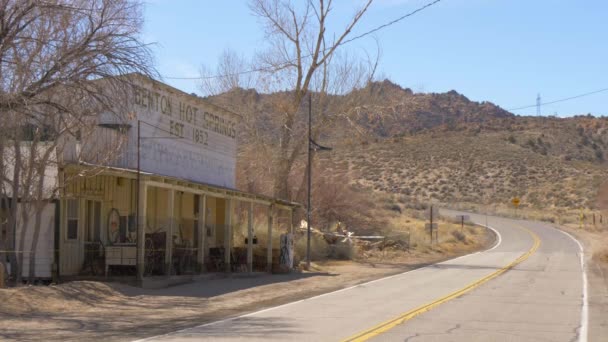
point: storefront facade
(166, 203)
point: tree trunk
(12, 221)
(286, 161)
(40, 204)
(281, 180)
(21, 249)
(34, 244)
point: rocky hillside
(453, 167)
(388, 110)
(446, 148)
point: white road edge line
(498, 242)
(583, 333)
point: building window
(72, 205)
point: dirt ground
(118, 312)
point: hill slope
(454, 167)
(446, 148)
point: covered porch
(152, 226)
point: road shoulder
(594, 243)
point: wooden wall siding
(96, 147)
(185, 217)
(112, 193)
(72, 251)
(157, 213)
(118, 192)
(220, 222)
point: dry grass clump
(319, 249)
(601, 256)
(458, 235)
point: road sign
(515, 201)
(428, 226)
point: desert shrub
(599, 155)
(471, 229)
(416, 205)
(531, 143)
(394, 207)
(550, 219)
(458, 235)
(319, 249)
(336, 201)
(342, 251)
(601, 256)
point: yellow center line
(385, 326)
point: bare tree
(229, 74)
(61, 63)
(300, 46)
(301, 57)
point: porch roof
(182, 184)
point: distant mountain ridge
(446, 147)
(396, 111)
(384, 110)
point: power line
(561, 100)
(420, 9)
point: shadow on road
(217, 287)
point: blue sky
(503, 51)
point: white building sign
(183, 137)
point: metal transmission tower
(538, 104)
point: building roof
(210, 188)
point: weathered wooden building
(154, 194)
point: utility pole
(308, 223)
(312, 146)
(538, 103)
(140, 272)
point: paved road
(471, 298)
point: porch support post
(171, 217)
(228, 235)
(202, 233)
(141, 230)
(291, 220)
(269, 242)
(250, 238)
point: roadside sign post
(515, 201)
(433, 215)
(462, 219)
(432, 227)
(431, 230)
